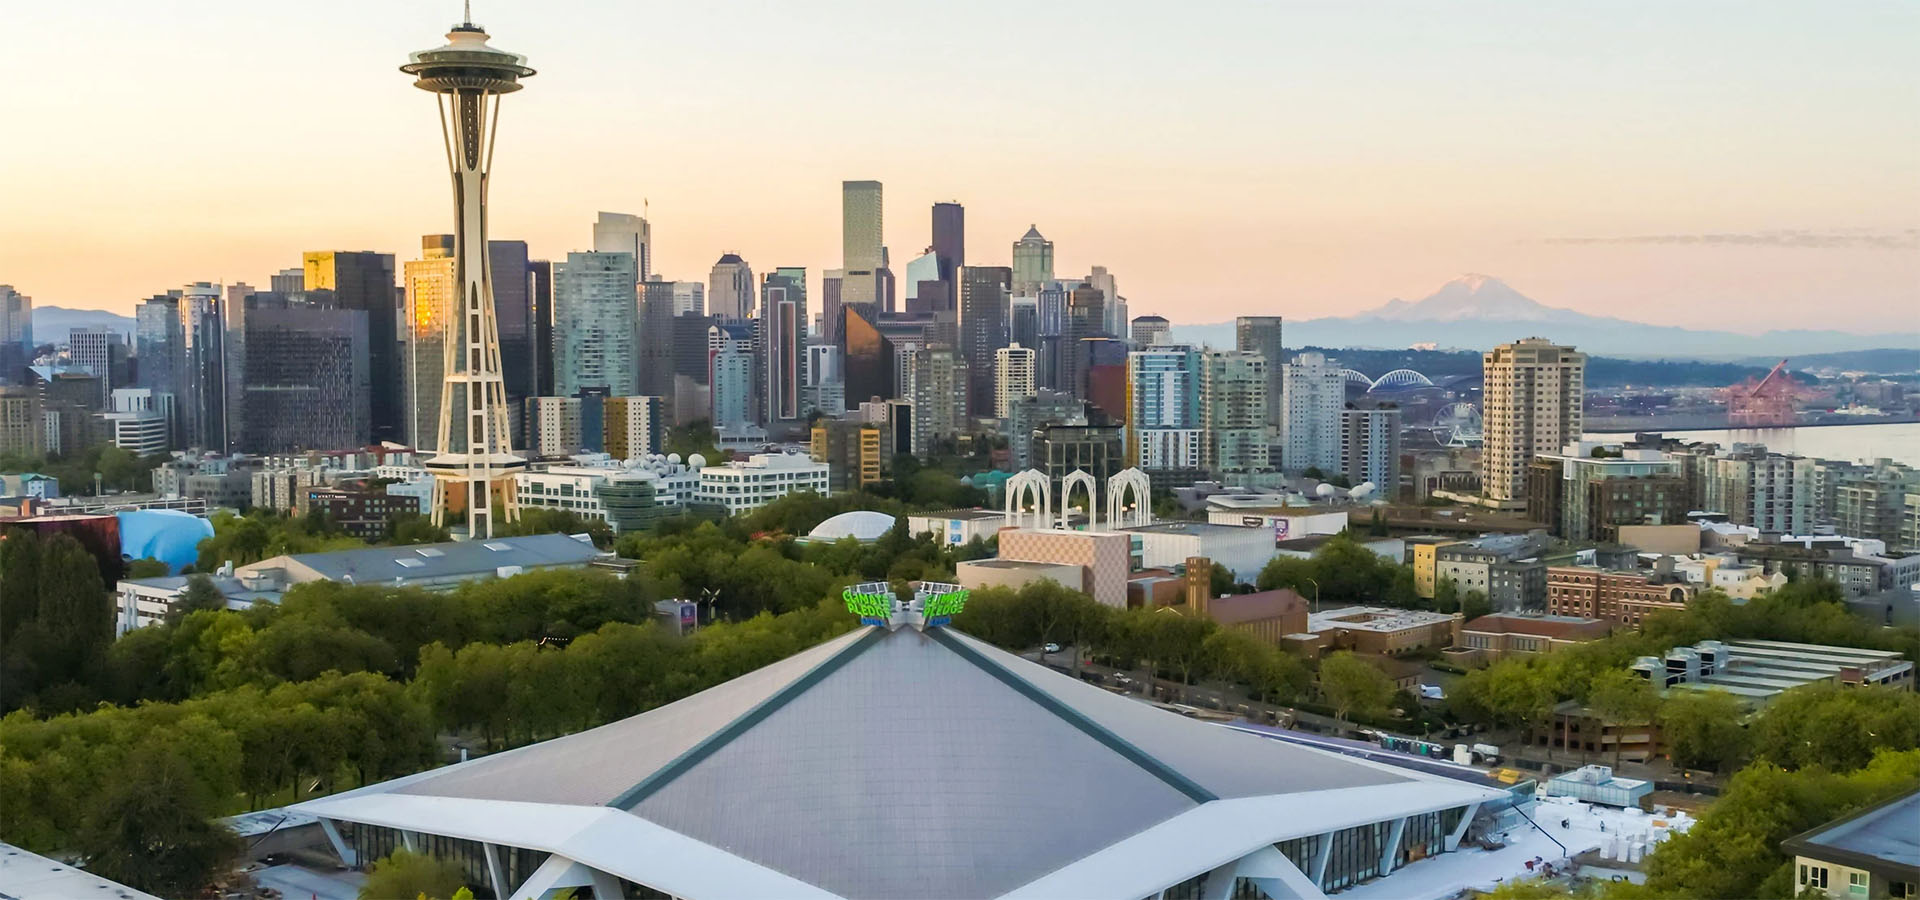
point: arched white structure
(1079, 476)
(1356, 377)
(1117, 487)
(1401, 379)
(1031, 480)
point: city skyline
(1202, 159)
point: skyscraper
(1012, 378)
(159, 346)
(363, 280)
(1233, 392)
(102, 352)
(430, 297)
(861, 239)
(1163, 408)
(16, 332)
(624, 233)
(1315, 390)
(1533, 404)
(689, 297)
(730, 288)
(596, 322)
(730, 373)
(1149, 331)
(471, 76)
(923, 273)
(950, 238)
(936, 383)
(984, 294)
(1261, 334)
(1116, 323)
(658, 302)
(1032, 262)
(867, 356)
(1086, 317)
(783, 326)
(202, 400)
(307, 378)
(1370, 448)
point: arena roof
(900, 764)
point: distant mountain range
(51, 324)
(1477, 312)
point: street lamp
(1316, 595)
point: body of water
(1898, 442)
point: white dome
(861, 524)
(697, 461)
(1325, 490)
(673, 458)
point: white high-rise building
(1116, 309)
(595, 324)
(1012, 377)
(1316, 391)
(1534, 397)
(730, 288)
(760, 480)
(1163, 411)
(553, 427)
(730, 374)
(624, 233)
(689, 297)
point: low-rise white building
(1283, 524)
(1244, 550)
(761, 479)
(625, 494)
(957, 526)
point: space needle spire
(474, 468)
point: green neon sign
(869, 605)
(945, 604)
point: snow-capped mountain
(1477, 312)
(1472, 298)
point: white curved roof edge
(1232, 829)
(611, 840)
(633, 848)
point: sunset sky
(1718, 164)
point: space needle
(474, 467)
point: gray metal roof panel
(911, 771)
(1227, 763)
(380, 564)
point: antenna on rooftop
(466, 12)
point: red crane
(1766, 403)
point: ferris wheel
(1457, 425)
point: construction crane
(1766, 403)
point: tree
(1621, 697)
(1834, 726)
(147, 568)
(150, 827)
(1702, 729)
(1733, 851)
(200, 595)
(1351, 684)
(1474, 605)
(1446, 596)
(404, 875)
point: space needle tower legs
(474, 467)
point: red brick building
(1626, 598)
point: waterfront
(1898, 441)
